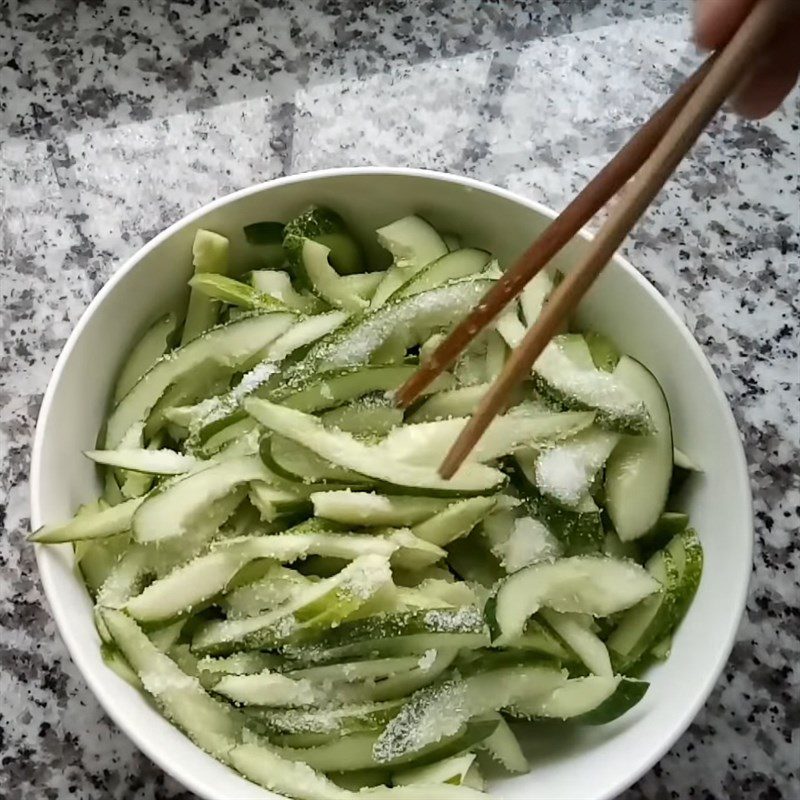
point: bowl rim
(46, 568)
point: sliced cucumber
(339, 720)
(426, 442)
(146, 352)
(451, 266)
(504, 749)
(278, 284)
(371, 416)
(562, 373)
(177, 507)
(231, 346)
(437, 712)
(152, 462)
(360, 750)
(451, 770)
(455, 521)
(579, 529)
(325, 281)
(595, 585)
(518, 541)
(326, 227)
(584, 642)
(209, 254)
(373, 461)
(368, 508)
(472, 561)
(535, 295)
(294, 462)
(572, 699)
(332, 389)
(414, 317)
(96, 525)
(639, 470)
(509, 327)
(566, 471)
(604, 354)
(212, 725)
(395, 634)
(452, 403)
(319, 604)
(271, 590)
(266, 689)
(353, 671)
(235, 293)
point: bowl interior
(566, 763)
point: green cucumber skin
(626, 696)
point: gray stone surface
(116, 119)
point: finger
(716, 21)
(772, 78)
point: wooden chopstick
(585, 205)
(720, 79)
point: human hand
(774, 74)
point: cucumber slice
(324, 281)
(585, 644)
(152, 462)
(235, 293)
(451, 266)
(210, 724)
(375, 669)
(94, 525)
(579, 529)
(455, 521)
(562, 373)
(339, 720)
(639, 470)
(519, 541)
(504, 749)
(413, 243)
(373, 461)
(370, 509)
(534, 296)
(495, 355)
(627, 694)
(509, 327)
(323, 603)
(400, 633)
(145, 353)
(266, 689)
(369, 416)
(210, 669)
(335, 388)
(451, 770)
(329, 229)
(595, 585)
(459, 402)
(572, 699)
(278, 284)
(425, 442)
(175, 508)
(360, 751)
(414, 317)
(438, 712)
(209, 254)
(227, 347)
(96, 559)
(115, 661)
(294, 462)
(266, 593)
(565, 471)
(604, 354)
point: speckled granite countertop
(117, 119)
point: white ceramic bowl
(589, 764)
